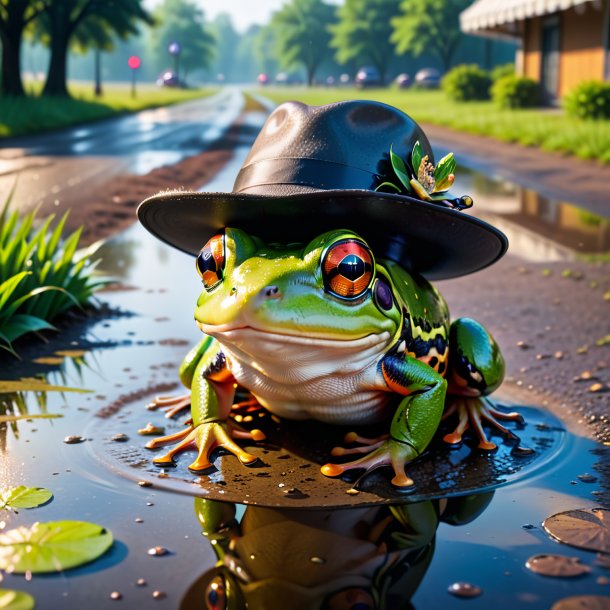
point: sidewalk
(559, 177)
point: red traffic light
(133, 62)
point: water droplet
(157, 551)
(464, 589)
(116, 595)
(318, 560)
(151, 430)
(158, 594)
(141, 582)
(73, 439)
(352, 491)
(144, 483)
(521, 451)
(587, 478)
(120, 438)
(139, 520)
(528, 526)
(559, 566)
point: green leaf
(34, 384)
(16, 600)
(388, 184)
(24, 497)
(416, 156)
(445, 167)
(53, 546)
(398, 165)
(21, 323)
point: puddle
(128, 358)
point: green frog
(329, 332)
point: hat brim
(435, 241)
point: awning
(486, 14)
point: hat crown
(339, 146)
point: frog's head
(330, 289)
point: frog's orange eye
(215, 594)
(347, 268)
(211, 262)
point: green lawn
(549, 129)
(19, 116)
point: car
(368, 76)
(403, 81)
(168, 79)
(285, 78)
(428, 78)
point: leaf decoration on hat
(425, 181)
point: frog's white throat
(309, 357)
(300, 377)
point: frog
(327, 331)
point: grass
(34, 114)
(546, 129)
(41, 275)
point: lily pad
(557, 565)
(583, 602)
(585, 529)
(15, 600)
(24, 497)
(52, 546)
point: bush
(589, 100)
(516, 92)
(41, 276)
(501, 71)
(467, 82)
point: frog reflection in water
(328, 332)
(368, 558)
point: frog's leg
(476, 368)
(212, 395)
(174, 405)
(414, 423)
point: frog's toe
(172, 404)
(388, 453)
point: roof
(485, 14)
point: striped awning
(486, 14)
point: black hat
(317, 168)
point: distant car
(344, 79)
(428, 78)
(284, 78)
(403, 81)
(262, 79)
(368, 76)
(168, 79)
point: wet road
(60, 165)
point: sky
(244, 13)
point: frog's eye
(211, 262)
(216, 595)
(347, 268)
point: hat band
(316, 173)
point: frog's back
(425, 329)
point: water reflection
(366, 558)
(539, 229)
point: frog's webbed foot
(173, 405)
(382, 451)
(205, 438)
(472, 412)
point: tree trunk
(98, 72)
(11, 63)
(57, 75)
(310, 74)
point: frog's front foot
(472, 412)
(172, 404)
(205, 438)
(382, 451)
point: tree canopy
(429, 26)
(302, 34)
(182, 21)
(363, 32)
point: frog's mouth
(247, 343)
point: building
(562, 42)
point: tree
(15, 16)
(182, 21)
(226, 43)
(263, 47)
(363, 33)
(429, 25)
(63, 18)
(302, 34)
